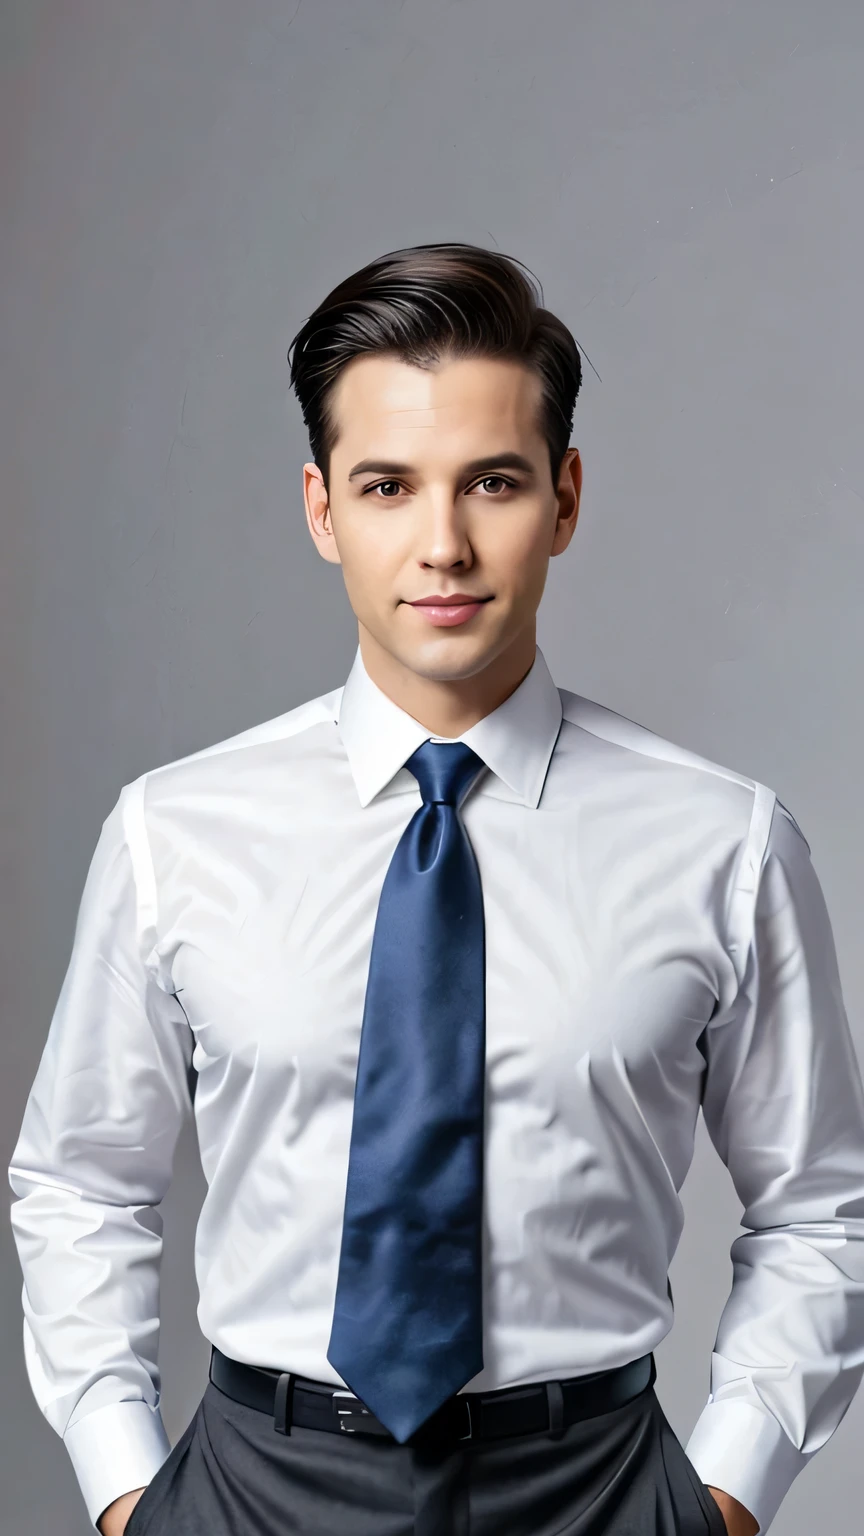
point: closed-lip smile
(450, 611)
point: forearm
(784, 1106)
(90, 1341)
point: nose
(443, 540)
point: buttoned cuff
(744, 1450)
(115, 1449)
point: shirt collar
(515, 741)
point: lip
(446, 612)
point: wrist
(112, 1521)
(739, 1521)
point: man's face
(440, 486)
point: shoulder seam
(138, 843)
(741, 911)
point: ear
(569, 494)
(318, 515)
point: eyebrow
(475, 467)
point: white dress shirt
(657, 941)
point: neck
(449, 706)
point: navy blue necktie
(407, 1323)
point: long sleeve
(93, 1160)
(784, 1107)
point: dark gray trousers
(623, 1473)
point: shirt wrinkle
(219, 967)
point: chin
(450, 660)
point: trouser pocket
(158, 1485)
(696, 1509)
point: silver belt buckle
(356, 1410)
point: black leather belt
(548, 1406)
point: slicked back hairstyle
(425, 303)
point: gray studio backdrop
(182, 180)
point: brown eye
(495, 480)
(383, 484)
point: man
(452, 958)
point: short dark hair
(425, 302)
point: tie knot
(444, 770)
